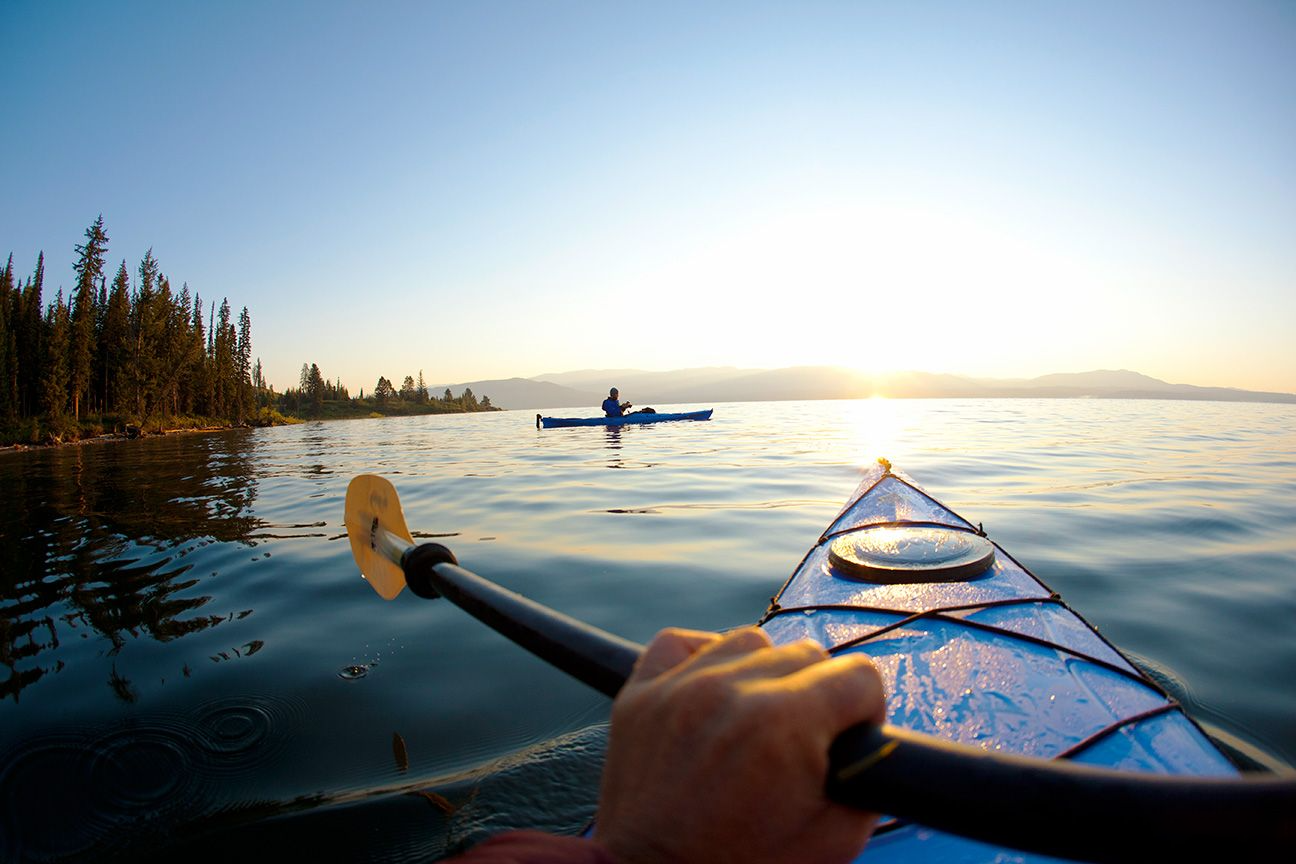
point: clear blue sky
(488, 189)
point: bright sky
(488, 189)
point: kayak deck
(995, 661)
(627, 420)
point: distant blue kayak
(627, 420)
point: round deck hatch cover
(911, 554)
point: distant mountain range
(588, 387)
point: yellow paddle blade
(372, 509)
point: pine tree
(258, 384)
(98, 400)
(31, 342)
(169, 344)
(210, 364)
(116, 341)
(223, 362)
(186, 353)
(243, 362)
(147, 333)
(89, 270)
(8, 345)
(54, 383)
(422, 394)
(316, 388)
(303, 386)
(201, 372)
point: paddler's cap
(613, 392)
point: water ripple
(49, 808)
(240, 735)
(144, 771)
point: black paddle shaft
(1050, 807)
(590, 655)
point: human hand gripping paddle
(1051, 807)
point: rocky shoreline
(131, 433)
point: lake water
(193, 666)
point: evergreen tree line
(314, 390)
(409, 391)
(417, 393)
(136, 352)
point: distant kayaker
(612, 406)
(718, 752)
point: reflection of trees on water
(93, 538)
(121, 686)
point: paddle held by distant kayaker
(718, 752)
(612, 407)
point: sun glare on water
(874, 428)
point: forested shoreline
(321, 399)
(135, 357)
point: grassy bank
(47, 432)
(44, 432)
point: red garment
(535, 847)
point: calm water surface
(191, 664)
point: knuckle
(749, 637)
(866, 671)
(669, 640)
(858, 687)
(806, 650)
(671, 634)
